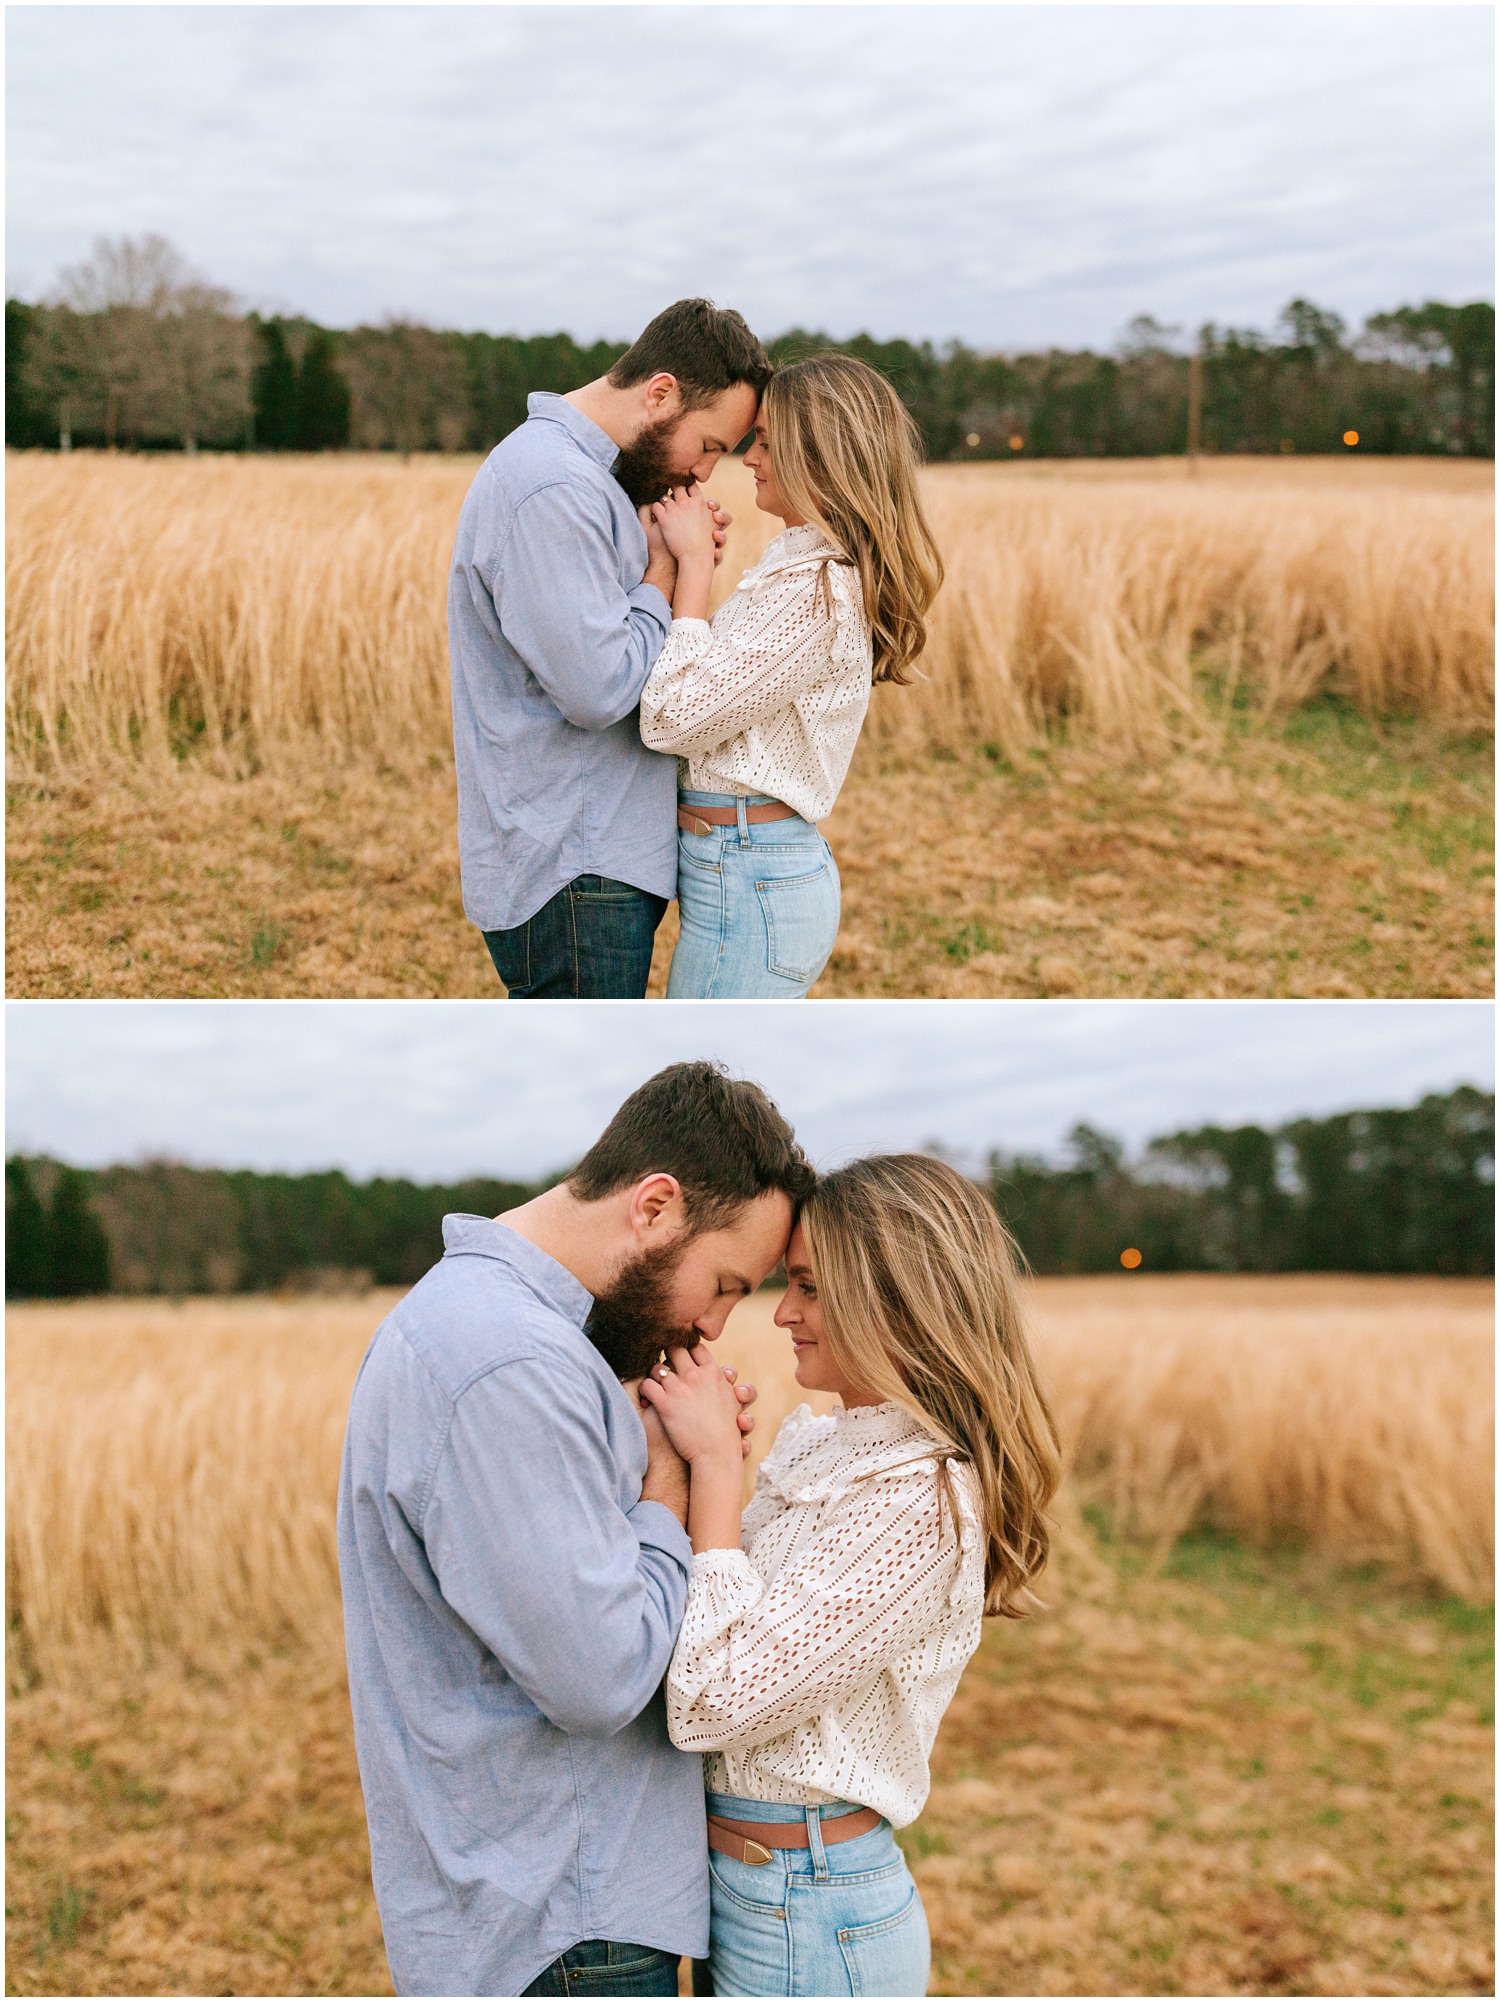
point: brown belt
(703, 819)
(753, 1841)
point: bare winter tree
(205, 357)
(58, 370)
(407, 389)
(116, 298)
(135, 345)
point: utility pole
(1195, 409)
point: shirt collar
(557, 410)
(485, 1237)
(799, 541)
(795, 546)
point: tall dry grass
(171, 1472)
(1106, 602)
(1355, 1415)
(256, 612)
(171, 1469)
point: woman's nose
(785, 1314)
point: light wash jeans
(817, 1921)
(759, 907)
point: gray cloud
(440, 1089)
(1009, 174)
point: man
(557, 609)
(515, 1562)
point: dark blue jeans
(608, 1967)
(591, 942)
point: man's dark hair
(721, 1137)
(708, 348)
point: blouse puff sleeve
(754, 1660)
(708, 685)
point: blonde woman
(826, 1631)
(764, 705)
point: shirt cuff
(730, 1564)
(657, 1528)
(646, 598)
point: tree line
(1394, 1190)
(1385, 1191)
(166, 1228)
(134, 350)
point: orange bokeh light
(1351, 437)
(1016, 441)
(1130, 1259)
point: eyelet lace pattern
(815, 1663)
(770, 697)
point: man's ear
(655, 1203)
(660, 390)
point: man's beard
(631, 1323)
(644, 467)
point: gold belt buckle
(703, 827)
(756, 1852)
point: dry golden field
(1222, 1764)
(1154, 751)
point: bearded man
(559, 601)
(515, 1562)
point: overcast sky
(437, 1090)
(1010, 175)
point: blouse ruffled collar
(815, 1456)
(795, 545)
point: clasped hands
(686, 526)
(697, 1419)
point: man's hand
(661, 564)
(666, 1471)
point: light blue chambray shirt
(510, 1608)
(552, 634)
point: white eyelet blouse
(770, 697)
(815, 1663)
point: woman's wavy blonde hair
(845, 455)
(919, 1285)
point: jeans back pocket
(890, 1956)
(802, 922)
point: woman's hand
(687, 523)
(698, 1408)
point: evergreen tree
(28, 420)
(28, 1236)
(79, 1248)
(275, 390)
(322, 396)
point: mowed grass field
(1247, 1749)
(1215, 735)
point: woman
(826, 1632)
(764, 706)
